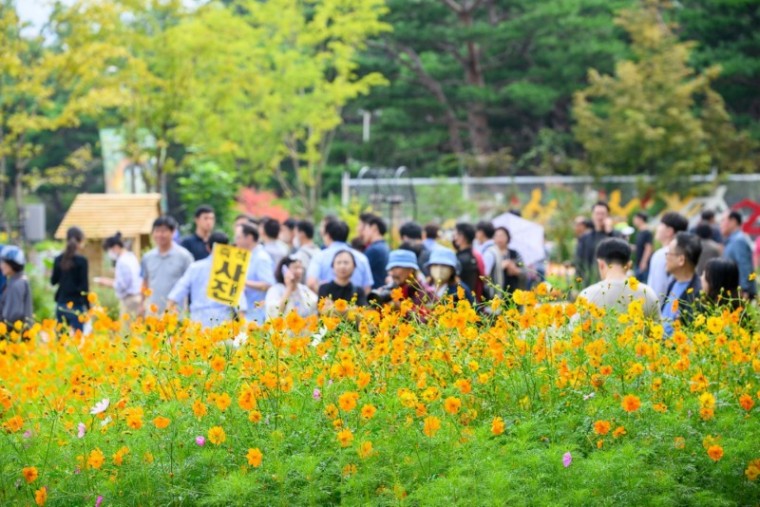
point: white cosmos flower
(100, 406)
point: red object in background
(260, 204)
(752, 224)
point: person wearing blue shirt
(377, 250)
(739, 250)
(194, 284)
(430, 240)
(2, 276)
(320, 269)
(681, 258)
(260, 271)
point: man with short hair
(430, 239)
(671, 223)
(710, 249)
(162, 266)
(585, 251)
(614, 291)
(306, 249)
(269, 232)
(260, 274)
(288, 234)
(411, 239)
(708, 216)
(644, 246)
(196, 243)
(738, 249)
(320, 269)
(377, 250)
(473, 267)
(194, 284)
(681, 258)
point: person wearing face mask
(444, 276)
(127, 281)
(341, 287)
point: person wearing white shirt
(671, 223)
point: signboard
(229, 267)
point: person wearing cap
(444, 276)
(402, 267)
(16, 299)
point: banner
(229, 267)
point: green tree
(473, 80)
(42, 89)
(656, 115)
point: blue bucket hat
(444, 257)
(402, 259)
(13, 254)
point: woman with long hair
(127, 282)
(720, 283)
(70, 275)
(341, 287)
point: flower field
(549, 404)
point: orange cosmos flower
(30, 474)
(347, 401)
(631, 403)
(746, 401)
(216, 435)
(40, 496)
(452, 405)
(431, 426)
(223, 401)
(199, 409)
(619, 432)
(161, 422)
(753, 470)
(345, 437)
(602, 427)
(254, 457)
(365, 450)
(96, 459)
(715, 452)
(340, 305)
(217, 363)
(368, 411)
(14, 424)
(497, 426)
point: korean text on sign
(229, 266)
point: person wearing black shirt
(341, 287)
(196, 243)
(644, 246)
(70, 275)
(585, 252)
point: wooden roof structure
(102, 215)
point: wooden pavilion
(103, 215)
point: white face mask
(441, 274)
(296, 242)
(112, 255)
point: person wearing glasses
(681, 258)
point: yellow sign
(229, 266)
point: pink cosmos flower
(567, 459)
(81, 430)
(99, 501)
(201, 441)
(317, 394)
(100, 406)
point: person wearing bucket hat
(16, 299)
(402, 267)
(444, 276)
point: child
(16, 299)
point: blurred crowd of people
(288, 271)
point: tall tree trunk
(477, 119)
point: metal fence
(394, 193)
